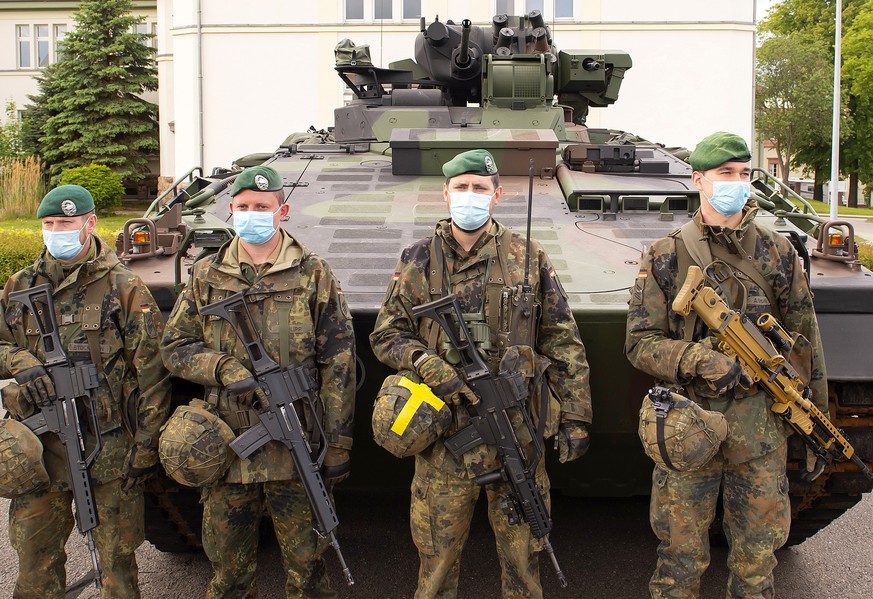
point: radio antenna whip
(529, 214)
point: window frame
(520, 8)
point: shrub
(18, 249)
(22, 186)
(103, 184)
(865, 252)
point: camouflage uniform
(443, 490)
(303, 320)
(750, 466)
(132, 403)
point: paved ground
(605, 548)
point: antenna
(526, 287)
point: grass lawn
(825, 209)
(108, 227)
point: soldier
(482, 262)
(757, 271)
(105, 315)
(303, 319)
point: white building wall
(17, 83)
(268, 67)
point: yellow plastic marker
(419, 394)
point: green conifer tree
(91, 98)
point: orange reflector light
(835, 238)
(141, 237)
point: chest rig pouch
(79, 327)
(514, 322)
(240, 420)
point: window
(23, 34)
(411, 9)
(530, 5)
(773, 168)
(60, 33)
(559, 9)
(563, 9)
(42, 45)
(382, 9)
(38, 45)
(354, 10)
(147, 29)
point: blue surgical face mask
(729, 197)
(63, 245)
(254, 227)
(469, 210)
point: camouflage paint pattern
(750, 466)
(398, 334)
(40, 523)
(655, 344)
(440, 514)
(134, 391)
(295, 290)
(299, 285)
(443, 490)
(757, 516)
(234, 512)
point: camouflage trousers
(231, 524)
(440, 514)
(757, 516)
(40, 523)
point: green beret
(718, 148)
(258, 178)
(477, 162)
(66, 200)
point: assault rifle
(278, 419)
(61, 417)
(491, 424)
(757, 346)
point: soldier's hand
(142, 463)
(444, 381)
(814, 466)
(35, 385)
(239, 383)
(337, 465)
(573, 440)
(721, 372)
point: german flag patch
(149, 321)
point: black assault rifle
(61, 416)
(491, 423)
(278, 419)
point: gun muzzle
(463, 58)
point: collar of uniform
(97, 262)
(444, 231)
(288, 253)
(714, 232)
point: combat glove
(35, 386)
(443, 380)
(572, 440)
(337, 465)
(142, 463)
(239, 383)
(720, 372)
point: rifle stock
(490, 418)
(71, 381)
(755, 346)
(278, 420)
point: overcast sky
(763, 6)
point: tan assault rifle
(757, 346)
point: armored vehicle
(362, 190)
